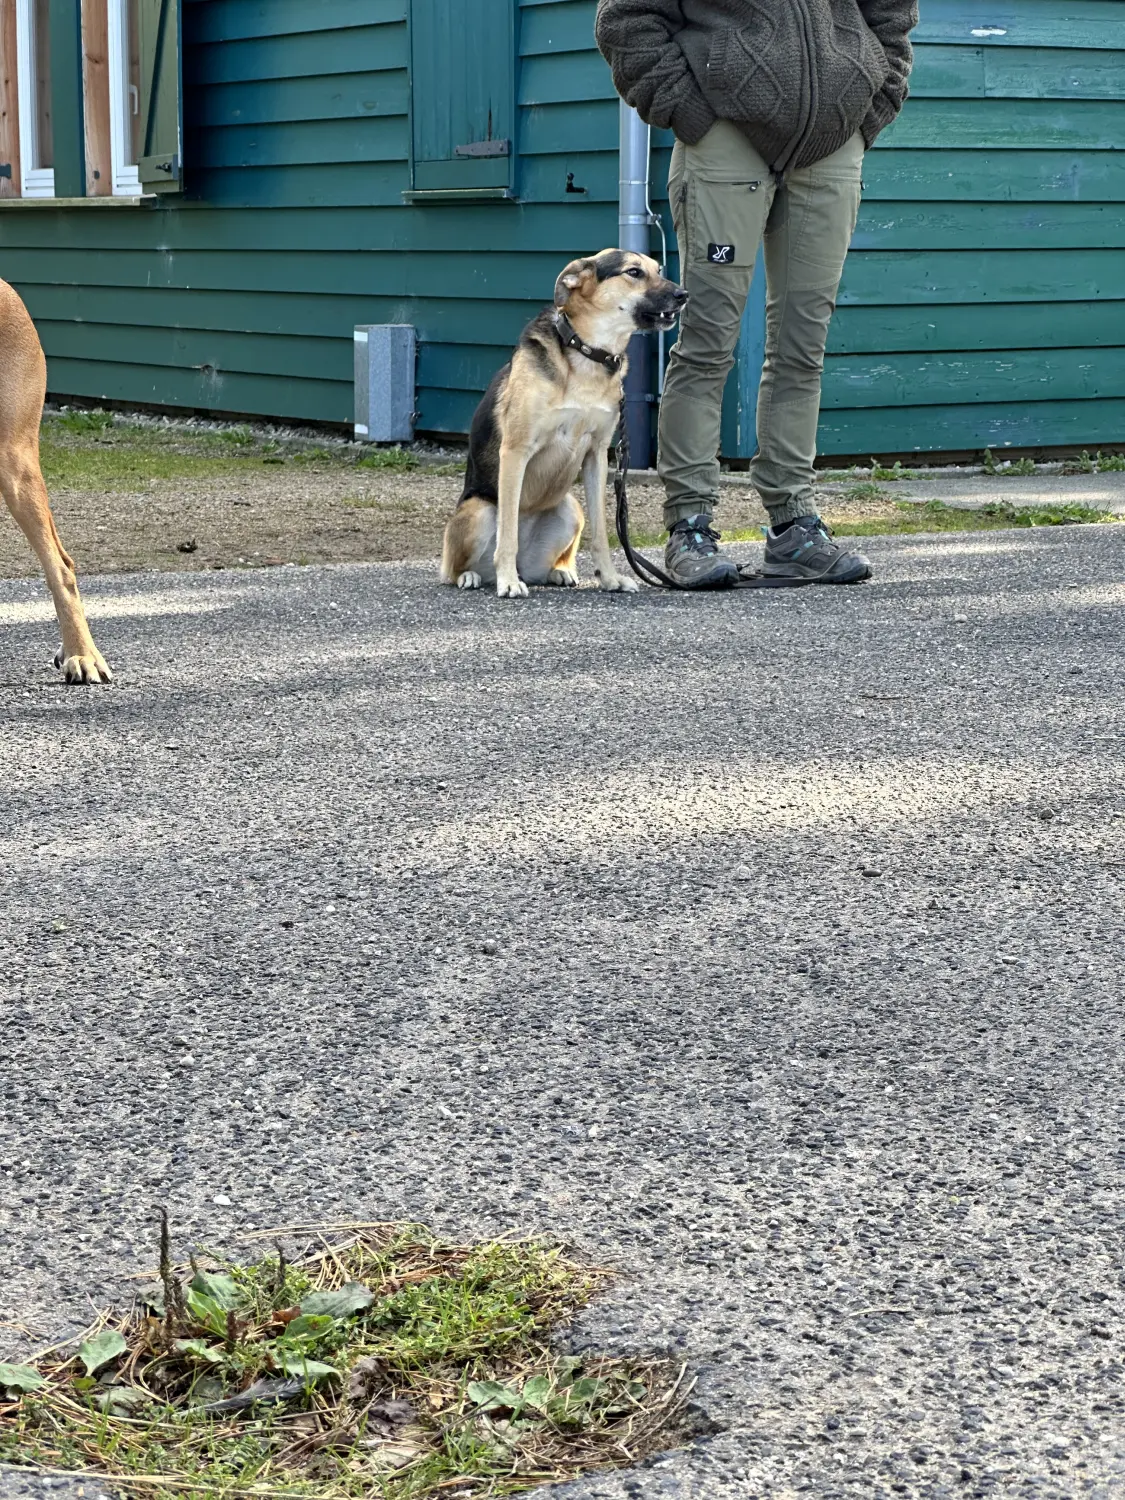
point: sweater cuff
(884, 110)
(692, 119)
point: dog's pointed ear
(571, 278)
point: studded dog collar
(570, 340)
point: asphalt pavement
(805, 1007)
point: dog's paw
(562, 578)
(90, 667)
(614, 583)
(469, 581)
(510, 586)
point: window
(116, 130)
(33, 48)
(124, 95)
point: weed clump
(393, 1364)
(84, 422)
(866, 490)
(893, 474)
(399, 460)
(1101, 463)
(1007, 468)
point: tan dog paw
(562, 578)
(510, 586)
(613, 583)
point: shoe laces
(702, 539)
(816, 523)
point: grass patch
(125, 466)
(937, 516)
(393, 1364)
(95, 450)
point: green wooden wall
(984, 302)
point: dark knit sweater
(799, 77)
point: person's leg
(720, 192)
(806, 239)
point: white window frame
(36, 182)
(124, 103)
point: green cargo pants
(725, 201)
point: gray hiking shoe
(805, 553)
(692, 555)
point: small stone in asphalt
(870, 872)
(491, 947)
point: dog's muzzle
(660, 309)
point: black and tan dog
(548, 416)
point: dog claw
(469, 581)
(511, 588)
(79, 669)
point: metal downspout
(633, 221)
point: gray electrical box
(384, 382)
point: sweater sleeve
(892, 22)
(638, 40)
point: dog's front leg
(513, 466)
(595, 468)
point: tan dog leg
(23, 384)
(513, 466)
(26, 495)
(595, 468)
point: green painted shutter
(462, 93)
(161, 159)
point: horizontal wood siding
(983, 302)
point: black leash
(646, 571)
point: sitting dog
(23, 385)
(549, 415)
